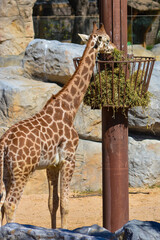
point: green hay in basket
(115, 91)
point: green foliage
(112, 88)
(57, 29)
(53, 31)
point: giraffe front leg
(53, 200)
(66, 176)
(13, 197)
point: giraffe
(48, 140)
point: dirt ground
(87, 210)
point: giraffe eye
(100, 38)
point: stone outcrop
(21, 97)
(156, 51)
(138, 50)
(51, 60)
(133, 230)
(144, 161)
(16, 26)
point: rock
(148, 120)
(21, 97)
(15, 231)
(88, 171)
(12, 60)
(16, 25)
(138, 50)
(156, 51)
(96, 231)
(144, 161)
(143, 157)
(139, 230)
(51, 60)
(144, 5)
(133, 230)
(88, 123)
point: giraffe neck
(74, 91)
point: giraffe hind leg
(2, 200)
(53, 200)
(66, 176)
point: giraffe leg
(53, 200)
(2, 215)
(66, 176)
(13, 198)
(2, 200)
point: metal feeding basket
(121, 83)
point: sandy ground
(87, 210)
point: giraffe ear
(84, 37)
(102, 27)
(94, 27)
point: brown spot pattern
(36, 140)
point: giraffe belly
(46, 162)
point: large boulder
(138, 50)
(144, 161)
(88, 123)
(51, 60)
(21, 97)
(156, 51)
(88, 171)
(16, 26)
(139, 230)
(148, 120)
(132, 230)
(11, 60)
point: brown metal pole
(115, 168)
(113, 14)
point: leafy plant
(114, 87)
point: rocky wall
(16, 26)
(25, 89)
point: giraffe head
(100, 39)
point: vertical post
(115, 168)
(113, 14)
